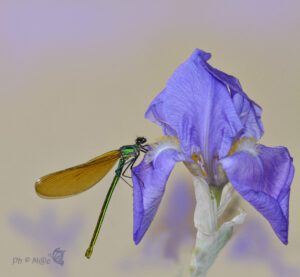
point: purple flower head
(212, 126)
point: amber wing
(76, 179)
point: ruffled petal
(263, 177)
(198, 109)
(248, 111)
(149, 181)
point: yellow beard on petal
(200, 162)
(244, 144)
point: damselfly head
(140, 140)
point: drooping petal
(149, 181)
(263, 177)
(198, 109)
(248, 111)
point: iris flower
(212, 126)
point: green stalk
(216, 191)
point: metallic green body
(128, 152)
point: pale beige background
(75, 80)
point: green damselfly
(79, 178)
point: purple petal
(198, 109)
(264, 180)
(149, 181)
(248, 111)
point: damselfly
(79, 178)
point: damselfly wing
(78, 178)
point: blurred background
(75, 80)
